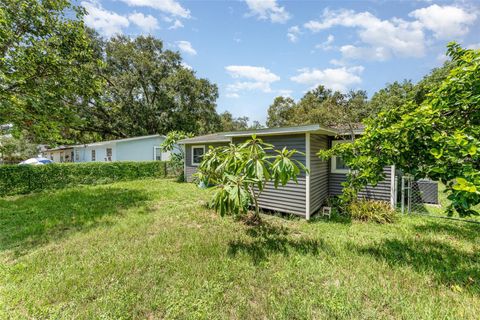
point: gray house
(323, 180)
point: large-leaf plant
(240, 173)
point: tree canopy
(45, 66)
(148, 90)
(321, 106)
(61, 83)
(438, 138)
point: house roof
(214, 137)
(227, 136)
(100, 143)
(59, 148)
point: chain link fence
(418, 196)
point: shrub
(21, 179)
(370, 210)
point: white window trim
(155, 148)
(334, 159)
(197, 147)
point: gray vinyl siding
(292, 197)
(380, 192)
(318, 172)
(189, 168)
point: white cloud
(340, 79)
(383, 39)
(445, 22)
(293, 33)
(396, 36)
(327, 44)
(147, 23)
(268, 10)
(171, 7)
(106, 22)
(186, 47)
(286, 93)
(367, 53)
(441, 57)
(186, 65)
(177, 24)
(259, 78)
(233, 95)
(474, 46)
(260, 74)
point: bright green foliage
(240, 173)
(439, 139)
(46, 65)
(19, 179)
(371, 210)
(177, 153)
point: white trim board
(195, 164)
(307, 176)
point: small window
(77, 156)
(338, 165)
(197, 154)
(93, 155)
(109, 154)
(157, 153)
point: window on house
(93, 155)
(338, 165)
(77, 156)
(197, 154)
(109, 154)
(157, 153)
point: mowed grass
(151, 249)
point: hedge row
(21, 179)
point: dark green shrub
(20, 179)
(371, 210)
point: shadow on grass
(27, 222)
(459, 230)
(444, 262)
(267, 239)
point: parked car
(36, 161)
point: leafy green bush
(21, 179)
(370, 210)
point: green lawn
(151, 249)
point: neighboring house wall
(64, 155)
(140, 150)
(319, 172)
(191, 168)
(85, 153)
(130, 150)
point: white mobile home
(145, 148)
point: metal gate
(417, 196)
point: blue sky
(255, 50)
